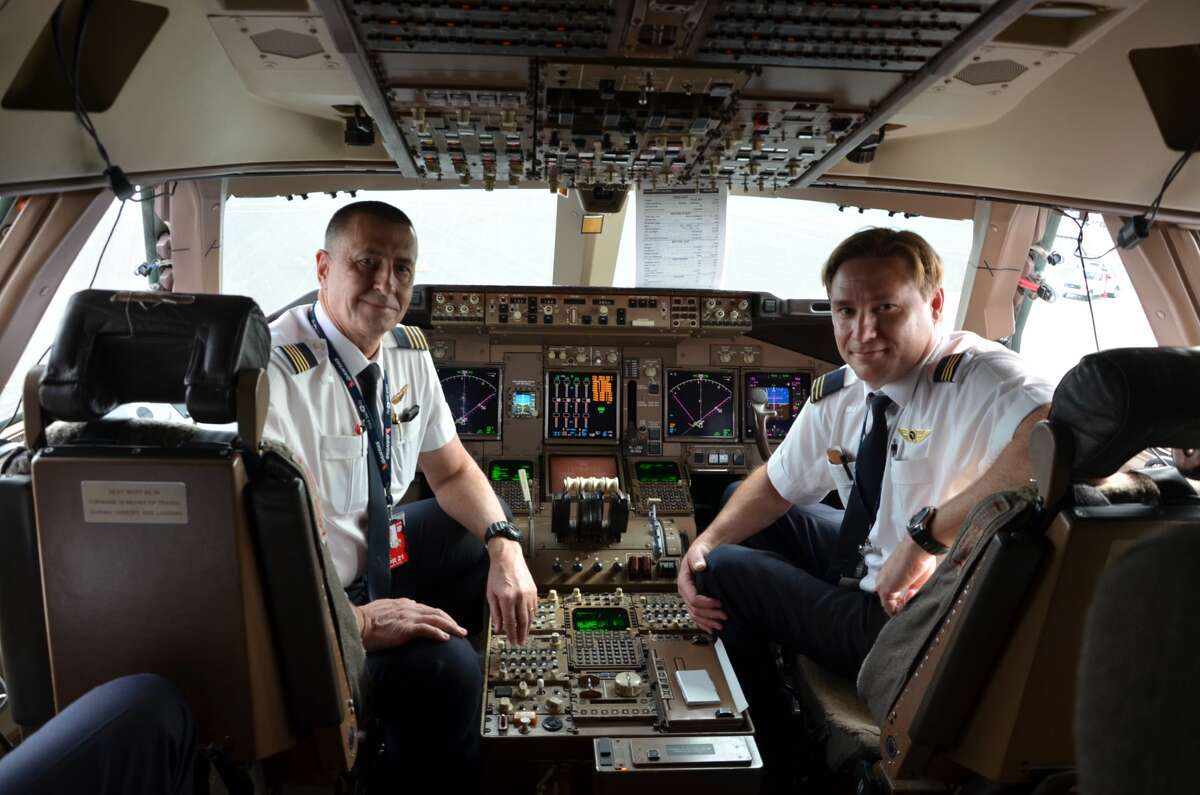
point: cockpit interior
(622, 208)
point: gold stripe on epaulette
(298, 358)
(946, 368)
(416, 338)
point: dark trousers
(771, 588)
(135, 734)
(427, 693)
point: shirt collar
(901, 391)
(353, 358)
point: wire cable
(1152, 213)
(1087, 289)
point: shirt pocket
(344, 472)
(911, 471)
(841, 480)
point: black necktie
(379, 575)
(863, 503)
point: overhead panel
(641, 92)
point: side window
(108, 260)
(1095, 307)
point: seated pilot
(917, 427)
(357, 398)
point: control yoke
(758, 402)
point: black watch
(920, 530)
(504, 529)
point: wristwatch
(504, 530)
(920, 530)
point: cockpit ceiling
(593, 92)
(976, 96)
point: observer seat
(171, 549)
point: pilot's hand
(903, 574)
(386, 623)
(704, 610)
(511, 594)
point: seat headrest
(118, 347)
(1117, 403)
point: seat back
(990, 682)
(186, 552)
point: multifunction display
(701, 404)
(507, 471)
(657, 472)
(786, 393)
(599, 619)
(581, 405)
(473, 394)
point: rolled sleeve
(1014, 393)
(796, 469)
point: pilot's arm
(464, 493)
(909, 566)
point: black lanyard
(381, 445)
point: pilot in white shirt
(357, 399)
(912, 432)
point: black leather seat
(175, 550)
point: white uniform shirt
(943, 435)
(312, 413)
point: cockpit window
(1096, 307)
(779, 245)
(114, 271)
(464, 237)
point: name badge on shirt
(397, 545)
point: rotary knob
(523, 689)
(629, 684)
(504, 706)
(555, 705)
(612, 357)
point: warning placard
(134, 502)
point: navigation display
(657, 472)
(473, 394)
(581, 405)
(700, 405)
(786, 393)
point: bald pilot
(357, 398)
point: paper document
(681, 238)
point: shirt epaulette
(296, 356)
(948, 367)
(827, 384)
(410, 338)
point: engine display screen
(473, 394)
(599, 619)
(701, 405)
(506, 471)
(786, 393)
(581, 405)
(657, 472)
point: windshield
(507, 237)
(465, 237)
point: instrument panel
(473, 395)
(701, 404)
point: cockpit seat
(976, 677)
(189, 552)
(836, 719)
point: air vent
(986, 73)
(287, 44)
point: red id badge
(397, 546)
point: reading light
(592, 224)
